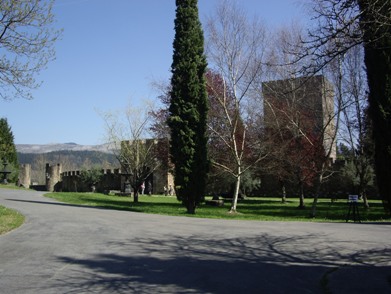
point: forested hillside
(70, 160)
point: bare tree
(342, 25)
(336, 35)
(159, 126)
(355, 126)
(235, 50)
(343, 20)
(334, 31)
(26, 39)
(127, 133)
(285, 47)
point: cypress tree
(188, 108)
(377, 46)
(7, 148)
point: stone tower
(53, 177)
(25, 175)
(312, 97)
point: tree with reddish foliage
(300, 148)
(159, 128)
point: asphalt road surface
(65, 248)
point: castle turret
(53, 177)
(25, 175)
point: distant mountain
(74, 159)
(46, 148)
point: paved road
(71, 249)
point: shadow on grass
(325, 210)
(249, 209)
(111, 204)
(51, 203)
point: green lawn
(9, 219)
(11, 186)
(262, 209)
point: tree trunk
(316, 196)
(314, 205)
(135, 195)
(363, 185)
(363, 194)
(301, 196)
(377, 43)
(283, 200)
(236, 193)
(191, 205)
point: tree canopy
(7, 147)
(27, 43)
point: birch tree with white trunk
(128, 134)
(235, 51)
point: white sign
(353, 198)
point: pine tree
(7, 148)
(188, 108)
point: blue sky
(109, 54)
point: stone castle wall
(71, 181)
(113, 180)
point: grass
(261, 209)
(9, 219)
(11, 186)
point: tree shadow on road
(64, 204)
(264, 264)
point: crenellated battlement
(70, 181)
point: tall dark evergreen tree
(7, 148)
(188, 108)
(376, 24)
